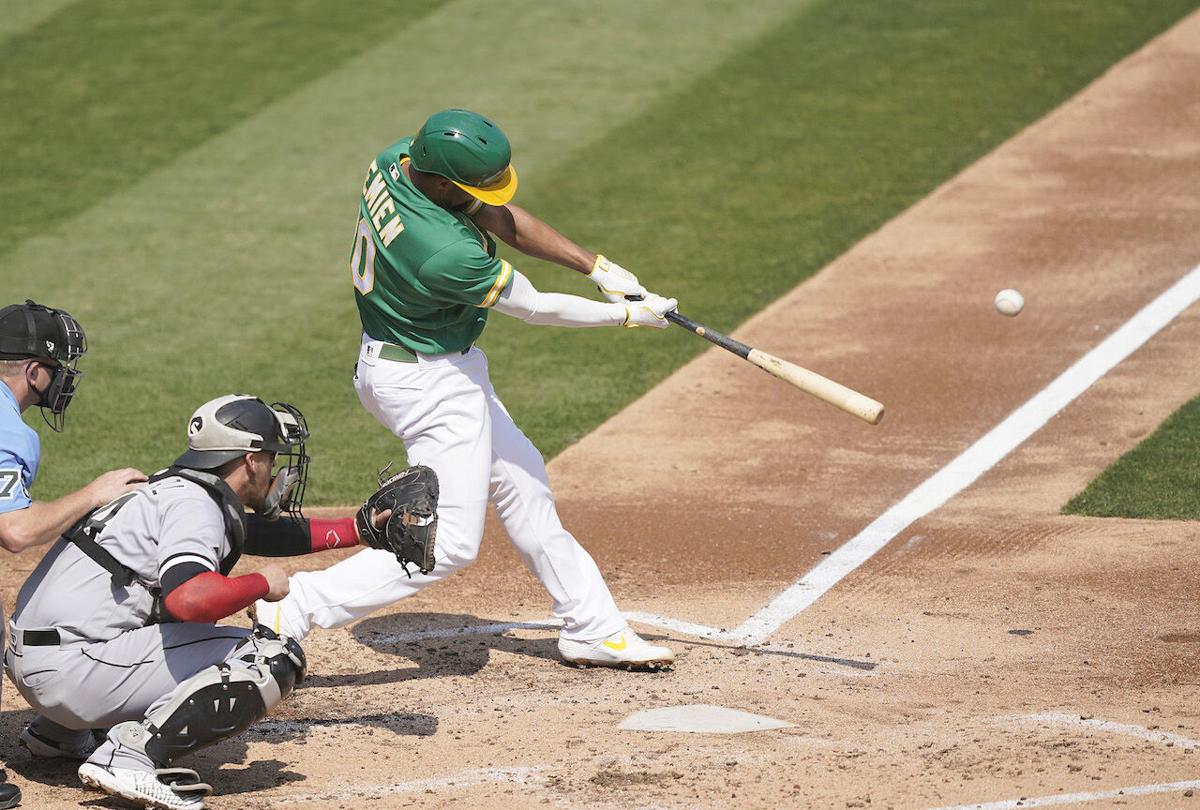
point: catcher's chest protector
(83, 535)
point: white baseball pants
(448, 415)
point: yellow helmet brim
(498, 192)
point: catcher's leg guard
(223, 700)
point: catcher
(116, 627)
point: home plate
(700, 718)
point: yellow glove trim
(598, 265)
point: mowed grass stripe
(227, 270)
(103, 93)
(19, 16)
(780, 159)
(1160, 478)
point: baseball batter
(115, 628)
(39, 350)
(426, 275)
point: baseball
(1009, 302)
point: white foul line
(679, 626)
(975, 460)
(1141, 732)
(1076, 798)
(928, 496)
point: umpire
(39, 350)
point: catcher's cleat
(623, 650)
(183, 781)
(43, 747)
(144, 788)
(10, 795)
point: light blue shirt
(20, 454)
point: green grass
(18, 16)
(760, 173)
(145, 82)
(1159, 479)
(724, 155)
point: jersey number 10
(362, 261)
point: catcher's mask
(54, 339)
(228, 427)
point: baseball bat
(809, 382)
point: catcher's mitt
(411, 530)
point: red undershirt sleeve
(210, 597)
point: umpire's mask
(228, 427)
(53, 338)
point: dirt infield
(992, 651)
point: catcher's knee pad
(224, 700)
(283, 655)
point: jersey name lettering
(381, 206)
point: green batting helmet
(469, 150)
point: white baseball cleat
(146, 789)
(624, 650)
(42, 747)
(270, 615)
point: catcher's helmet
(33, 331)
(228, 427)
(469, 150)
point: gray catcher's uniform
(83, 651)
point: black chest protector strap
(84, 533)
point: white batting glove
(613, 281)
(650, 312)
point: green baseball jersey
(424, 277)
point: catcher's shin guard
(223, 700)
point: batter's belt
(390, 351)
(399, 354)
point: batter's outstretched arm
(520, 299)
(522, 230)
(528, 234)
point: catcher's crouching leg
(221, 701)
